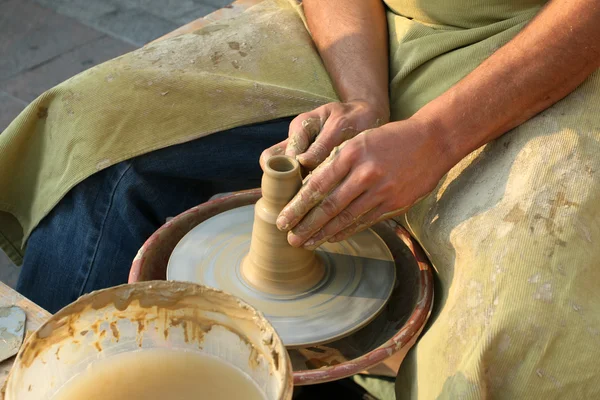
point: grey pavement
(44, 42)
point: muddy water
(160, 374)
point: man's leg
(90, 238)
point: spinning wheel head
(359, 275)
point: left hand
(376, 175)
(314, 134)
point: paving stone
(168, 9)
(10, 107)
(81, 10)
(30, 84)
(192, 15)
(217, 3)
(134, 26)
(9, 273)
(31, 34)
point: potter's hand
(374, 176)
(313, 135)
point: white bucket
(150, 315)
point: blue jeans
(90, 238)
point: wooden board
(36, 316)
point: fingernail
(301, 158)
(282, 223)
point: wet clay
(272, 264)
(160, 374)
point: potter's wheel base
(359, 278)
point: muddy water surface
(160, 374)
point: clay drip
(272, 265)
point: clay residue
(194, 327)
(312, 127)
(42, 112)
(515, 215)
(275, 355)
(114, 330)
(95, 326)
(322, 356)
(134, 302)
(254, 359)
(300, 141)
(556, 204)
(70, 100)
(216, 57)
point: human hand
(376, 175)
(313, 135)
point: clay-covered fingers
(359, 212)
(366, 221)
(315, 188)
(369, 219)
(339, 205)
(304, 129)
(335, 131)
(313, 135)
(362, 182)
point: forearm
(555, 53)
(351, 36)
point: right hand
(313, 135)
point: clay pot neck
(272, 264)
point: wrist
(446, 151)
(377, 107)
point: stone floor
(44, 42)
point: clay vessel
(272, 264)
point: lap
(90, 238)
(513, 232)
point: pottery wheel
(359, 278)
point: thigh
(513, 232)
(90, 238)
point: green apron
(513, 230)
